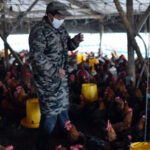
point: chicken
(126, 107)
(20, 94)
(6, 148)
(128, 118)
(118, 127)
(109, 94)
(120, 103)
(138, 95)
(101, 104)
(73, 134)
(141, 123)
(77, 147)
(31, 91)
(111, 134)
(120, 87)
(8, 76)
(60, 147)
(27, 78)
(13, 83)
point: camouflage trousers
(53, 102)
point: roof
(76, 8)
(82, 16)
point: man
(49, 44)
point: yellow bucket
(79, 58)
(89, 91)
(140, 146)
(33, 115)
(92, 63)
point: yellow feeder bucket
(33, 115)
(92, 62)
(140, 146)
(80, 58)
(89, 91)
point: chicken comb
(144, 117)
(76, 147)
(129, 137)
(108, 125)
(130, 109)
(117, 99)
(68, 125)
(58, 147)
(28, 74)
(10, 147)
(18, 87)
(9, 81)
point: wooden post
(131, 68)
(129, 30)
(101, 30)
(6, 61)
(29, 26)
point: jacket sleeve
(72, 45)
(38, 59)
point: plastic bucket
(140, 146)
(89, 91)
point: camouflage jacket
(49, 52)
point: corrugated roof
(74, 7)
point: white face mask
(57, 23)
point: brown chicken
(120, 103)
(138, 95)
(27, 78)
(118, 127)
(111, 134)
(20, 94)
(8, 76)
(109, 94)
(128, 119)
(13, 83)
(101, 104)
(126, 107)
(73, 134)
(141, 123)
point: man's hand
(78, 38)
(61, 72)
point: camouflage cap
(56, 7)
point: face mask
(57, 23)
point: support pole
(6, 61)
(131, 68)
(101, 30)
(11, 50)
(129, 30)
(19, 18)
(143, 20)
(21, 15)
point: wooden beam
(80, 5)
(21, 15)
(142, 21)
(131, 68)
(84, 17)
(129, 30)
(11, 50)
(6, 61)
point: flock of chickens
(117, 116)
